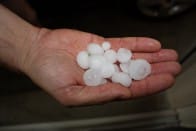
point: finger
(152, 84)
(172, 68)
(139, 44)
(84, 95)
(160, 56)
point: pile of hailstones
(103, 64)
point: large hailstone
(139, 69)
(92, 77)
(82, 59)
(123, 55)
(122, 78)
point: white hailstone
(110, 56)
(82, 59)
(123, 55)
(106, 45)
(122, 78)
(139, 69)
(96, 61)
(94, 48)
(92, 77)
(107, 70)
(125, 66)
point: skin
(48, 57)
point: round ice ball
(110, 56)
(107, 70)
(106, 45)
(82, 59)
(122, 78)
(92, 77)
(94, 48)
(139, 69)
(96, 61)
(123, 55)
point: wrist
(25, 49)
(30, 49)
(16, 38)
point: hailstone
(110, 55)
(124, 55)
(139, 69)
(92, 77)
(82, 59)
(122, 78)
(106, 45)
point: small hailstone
(106, 45)
(125, 67)
(139, 69)
(82, 59)
(96, 61)
(92, 77)
(122, 78)
(95, 49)
(110, 55)
(124, 55)
(107, 70)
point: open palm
(51, 63)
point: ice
(96, 61)
(102, 63)
(82, 59)
(110, 55)
(122, 78)
(139, 69)
(92, 77)
(94, 48)
(124, 55)
(107, 70)
(106, 45)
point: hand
(51, 63)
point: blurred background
(24, 106)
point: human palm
(51, 63)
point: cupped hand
(51, 63)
